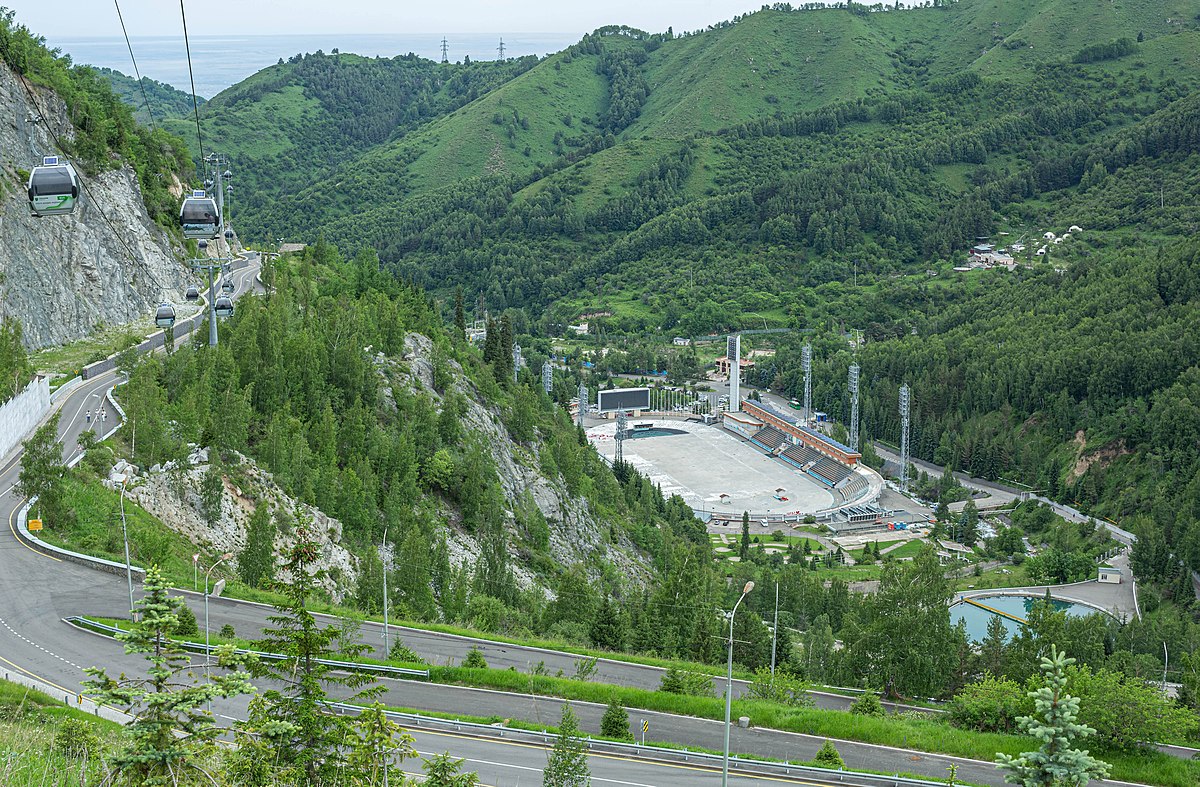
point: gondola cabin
(199, 218)
(193, 293)
(223, 306)
(53, 188)
(227, 286)
(165, 316)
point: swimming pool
(977, 618)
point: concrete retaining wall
(22, 413)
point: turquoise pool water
(977, 619)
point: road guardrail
(196, 647)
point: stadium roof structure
(791, 419)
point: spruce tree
(615, 721)
(441, 770)
(567, 764)
(315, 746)
(1055, 763)
(745, 546)
(460, 317)
(171, 731)
(256, 563)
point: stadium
(758, 459)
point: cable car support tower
(905, 405)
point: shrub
(186, 626)
(401, 652)
(989, 705)
(475, 659)
(227, 632)
(615, 722)
(76, 739)
(786, 688)
(694, 684)
(828, 757)
(868, 705)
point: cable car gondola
(223, 306)
(193, 293)
(227, 286)
(165, 316)
(53, 188)
(199, 218)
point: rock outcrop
(172, 494)
(63, 276)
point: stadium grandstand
(789, 425)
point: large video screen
(624, 399)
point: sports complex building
(758, 459)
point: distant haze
(221, 61)
(283, 17)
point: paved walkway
(1119, 600)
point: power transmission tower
(806, 364)
(517, 361)
(445, 50)
(583, 401)
(500, 48)
(853, 386)
(547, 377)
(622, 431)
(905, 403)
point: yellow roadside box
(35, 524)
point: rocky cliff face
(576, 535)
(62, 276)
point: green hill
(165, 101)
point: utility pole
(445, 49)
(774, 635)
(385, 555)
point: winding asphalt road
(38, 589)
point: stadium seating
(769, 438)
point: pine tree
(1054, 764)
(970, 523)
(441, 770)
(377, 748)
(256, 563)
(828, 757)
(615, 721)
(607, 630)
(992, 648)
(567, 764)
(745, 546)
(460, 317)
(171, 730)
(315, 745)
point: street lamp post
(385, 557)
(729, 685)
(125, 536)
(215, 591)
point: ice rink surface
(707, 461)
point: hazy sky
(273, 17)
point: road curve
(37, 590)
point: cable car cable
(195, 106)
(82, 181)
(137, 73)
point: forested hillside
(817, 168)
